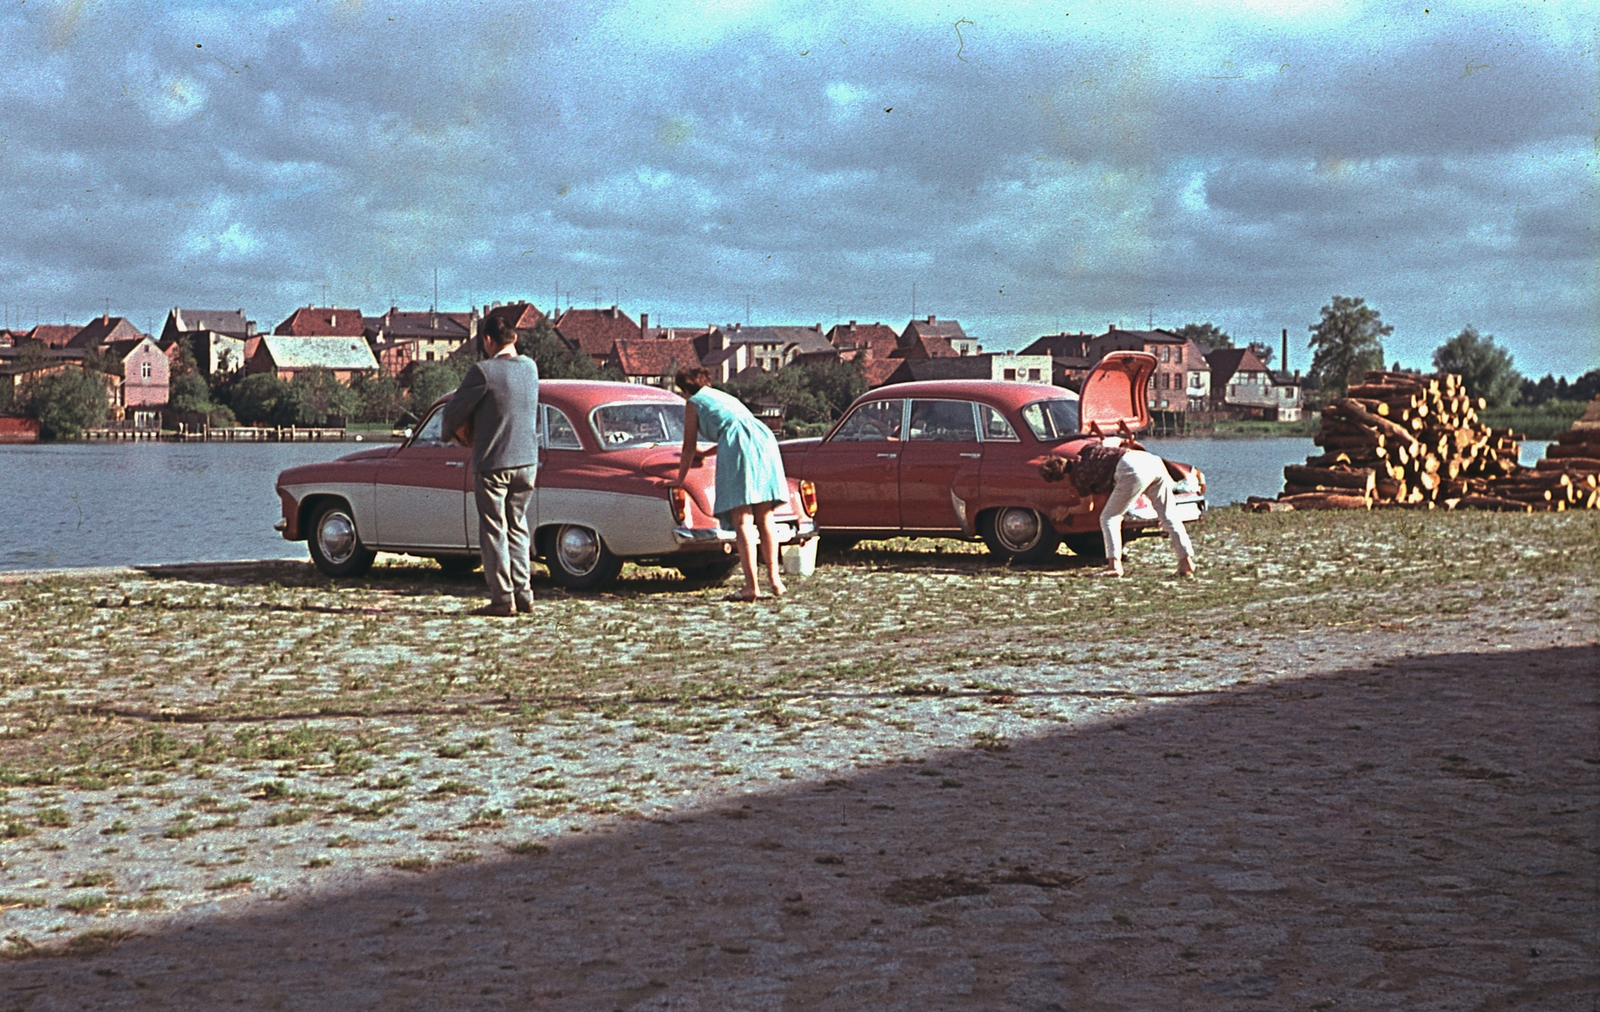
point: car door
(939, 465)
(857, 469)
(424, 491)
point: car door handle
(974, 456)
(455, 463)
(890, 456)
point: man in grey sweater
(495, 411)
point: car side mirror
(407, 432)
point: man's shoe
(525, 605)
(496, 609)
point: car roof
(1007, 394)
(585, 395)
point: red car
(960, 459)
(607, 455)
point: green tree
(1205, 335)
(1484, 366)
(189, 392)
(1346, 342)
(809, 393)
(552, 355)
(314, 397)
(67, 401)
(382, 399)
(1263, 351)
(256, 398)
(432, 380)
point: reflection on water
(100, 504)
(124, 504)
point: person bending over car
(1108, 468)
(750, 479)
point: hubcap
(578, 549)
(336, 536)
(1018, 528)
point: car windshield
(1052, 420)
(638, 423)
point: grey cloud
(1037, 181)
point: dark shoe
(525, 605)
(496, 609)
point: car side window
(559, 432)
(994, 426)
(872, 422)
(943, 422)
(431, 433)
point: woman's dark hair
(691, 380)
(1055, 468)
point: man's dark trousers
(501, 397)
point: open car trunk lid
(1113, 396)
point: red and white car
(607, 455)
(960, 459)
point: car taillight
(808, 498)
(679, 500)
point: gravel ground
(922, 782)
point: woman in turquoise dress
(750, 478)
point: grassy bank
(1546, 421)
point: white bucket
(799, 559)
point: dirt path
(1385, 831)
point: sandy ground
(1375, 820)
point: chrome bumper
(788, 530)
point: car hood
(1113, 394)
(372, 454)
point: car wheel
(335, 543)
(1018, 534)
(579, 559)
(710, 568)
(1089, 546)
(457, 565)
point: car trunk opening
(1113, 394)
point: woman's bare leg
(744, 530)
(769, 548)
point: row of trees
(1348, 340)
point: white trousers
(1140, 473)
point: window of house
(144, 370)
(430, 356)
(1010, 374)
(1033, 374)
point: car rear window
(558, 431)
(638, 423)
(1051, 420)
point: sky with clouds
(1024, 167)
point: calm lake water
(147, 503)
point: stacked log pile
(1407, 440)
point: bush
(809, 393)
(381, 397)
(314, 397)
(432, 380)
(256, 398)
(66, 402)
